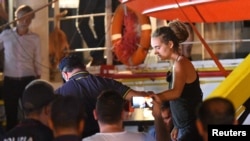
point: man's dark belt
(19, 78)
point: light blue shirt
(22, 54)
(121, 136)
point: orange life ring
(129, 45)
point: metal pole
(108, 17)
(11, 11)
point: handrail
(196, 42)
(219, 41)
(80, 16)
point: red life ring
(129, 45)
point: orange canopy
(195, 10)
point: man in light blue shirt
(22, 61)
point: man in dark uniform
(81, 83)
(36, 101)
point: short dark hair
(70, 62)
(67, 111)
(165, 105)
(25, 9)
(37, 94)
(109, 106)
(216, 110)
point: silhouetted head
(216, 111)
(109, 107)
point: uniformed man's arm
(130, 93)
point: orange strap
(217, 62)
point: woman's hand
(174, 134)
(156, 98)
(156, 109)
